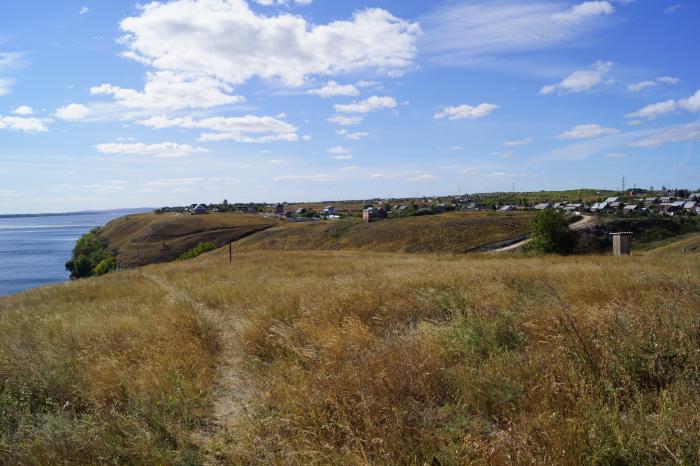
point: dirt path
(586, 222)
(232, 390)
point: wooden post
(230, 253)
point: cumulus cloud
(84, 10)
(161, 150)
(333, 89)
(165, 90)
(465, 111)
(475, 30)
(234, 44)
(580, 81)
(371, 104)
(23, 110)
(587, 131)
(249, 128)
(653, 111)
(283, 2)
(73, 112)
(27, 125)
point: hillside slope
(446, 233)
(357, 358)
(147, 238)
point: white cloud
(345, 120)
(73, 112)
(283, 2)
(465, 111)
(28, 125)
(456, 148)
(477, 30)
(587, 131)
(580, 81)
(688, 132)
(249, 128)
(519, 142)
(350, 168)
(669, 10)
(234, 44)
(652, 111)
(162, 150)
(84, 10)
(332, 89)
(165, 90)
(583, 11)
(5, 86)
(339, 150)
(371, 104)
(342, 157)
(640, 86)
(692, 103)
(615, 155)
(9, 61)
(352, 136)
(668, 80)
(23, 110)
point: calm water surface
(34, 250)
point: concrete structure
(621, 243)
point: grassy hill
(350, 357)
(446, 233)
(147, 238)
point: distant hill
(445, 233)
(148, 238)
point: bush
(89, 252)
(105, 266)
(551, 234)
(201, 248)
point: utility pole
(623, 184)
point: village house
(329, 210)
(630, 208)
(507, 208)
(371, 214)
(600, 207)
(543, 206)
(300, 211)
(198, 209)
(279, 209)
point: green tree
(550, 233)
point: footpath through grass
(363, 358)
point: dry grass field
(352, 357)
(445, 233)
(144, 239)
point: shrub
(89, 253)
(201, 248)
(551, 234)
(105, 266)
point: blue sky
(116, 104)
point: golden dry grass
(144, 239)
(445, 233)
(365, 358)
